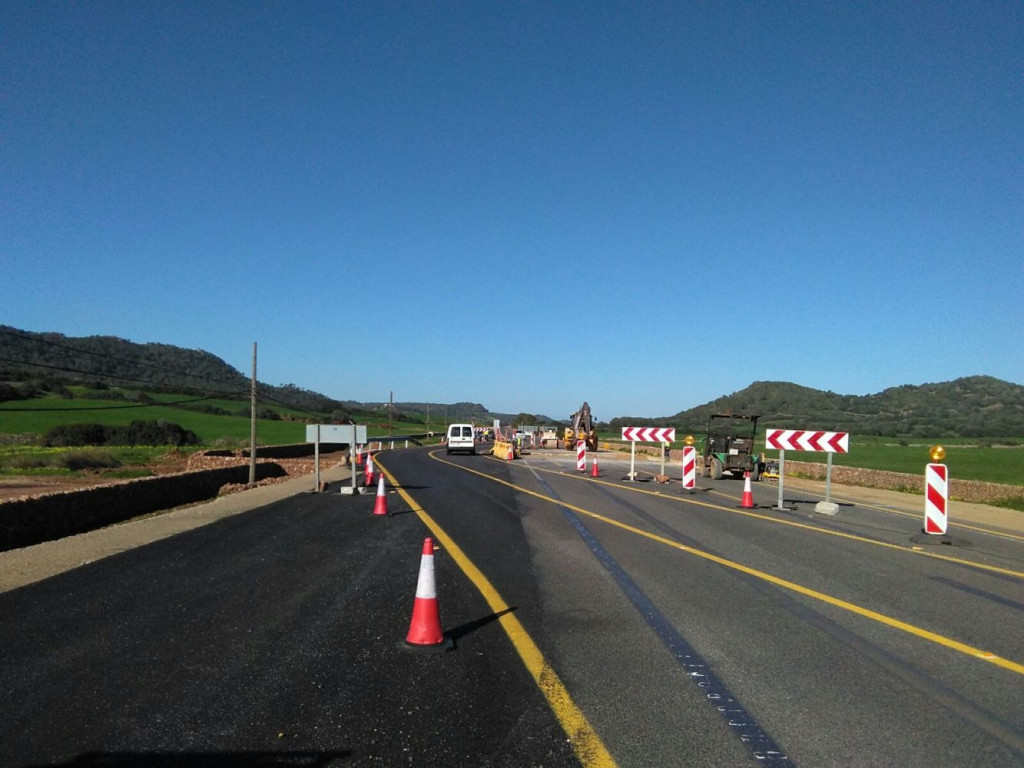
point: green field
(991, 460)
(36, 416)
(995, 462)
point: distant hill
(976, 406)
(40, 362)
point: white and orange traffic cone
(593, 468)
(425, 628)
(380, 506)
(368, 471)
(359, 455)
(748, 494)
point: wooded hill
(976, 406)
(35, 363)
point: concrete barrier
(24, 522)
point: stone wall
(972, 491)
(55, 515)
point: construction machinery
(581, 428)
(729, 447)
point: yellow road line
(792, 524)
(792, 586)
(586, 743)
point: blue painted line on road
(761, 745)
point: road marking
(867, 613)
(865, 505)
(737, 718)
(796, 524)
(586, 743)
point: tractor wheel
(716, 469)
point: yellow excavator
(582, 428)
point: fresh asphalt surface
(687, 632)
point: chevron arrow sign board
(649, 434)
(808, 440)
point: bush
(136, 433)
(75, 460)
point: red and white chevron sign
(808, 440)
(649, 434)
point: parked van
(460, 438)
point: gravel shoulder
(19, 567)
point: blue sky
(527, 205)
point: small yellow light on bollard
(937, 452)
(688, 439)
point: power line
(116, 407)
(261, 388)
(110, 358)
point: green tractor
(729, 447)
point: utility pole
(252, 421)
(391, 413)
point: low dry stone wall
(24, 522)
(290, 451)
(971, 491)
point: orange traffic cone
(380, 506)
(425, 628)
(368, 471)
(748, 495)
(593, 469)
(359, 456)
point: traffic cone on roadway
(380, 506)
(593, 468)
(748, 495)
(368, 471)
(359, 456)
(425, 628)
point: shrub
(136, 433)
(75, 460)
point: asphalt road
(595, 621)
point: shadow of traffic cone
(368, 471)
(425, 628)
(380, 506)
(748, 495)
(593, 469)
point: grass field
(966, 459)
(22, 424)
(988, 460)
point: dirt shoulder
(27, 565)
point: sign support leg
(782, 475)
(632, 462)
(828, 480)
(316, 459)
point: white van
(460, 438)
